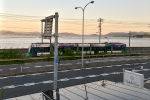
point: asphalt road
(45, 66)
(34, 83)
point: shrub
(78, 53)
(68, 52)
(9, 54)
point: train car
(36, 49)
(96, 47)
(116, 47)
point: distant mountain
(68, 34)
(93, 35)
(123, 34)
(111, 34)
(11, 33)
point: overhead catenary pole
(100, 29)
(129, 41)
(56, 55)
(42, 31)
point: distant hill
(111, 34)
(11, 33)
(68, 34)
(123, 34)
(93, 35)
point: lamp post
(83, 29)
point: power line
(38, 17)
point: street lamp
(83, 28)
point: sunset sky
(118, 15)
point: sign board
(40, 45)
(98, 45)
(119, 45)
(48, 27)
(57, 60)
(133, 79)
(66, 45)
(84, 45)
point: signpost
(47, 28)
(133, 79)
(47, 34)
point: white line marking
(47, 81)
(29, 84)
(65, 79)
(92, 75)
(11, 86)
(1, 69)
(76, 69)
(3, 77)
(37, 66)
(127, 64)
(37, 74)
(118, 65)
(109, 66)
(20, 76)
(64, 71)
(145, 69)
(48, 65)
(88, 68)
(49, 72)
(98, 67)
(104, 74)
(12, 68)
(78, 63)
(80, 77)
(25, 67)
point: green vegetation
(11, 54)
(2, 92)
(15, 57)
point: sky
(118, 15)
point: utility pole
(129, 41)
(56, 58)
(100, 28)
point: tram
(36, 49)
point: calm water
(24, 42)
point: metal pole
(129, 41)
(100, 31)
(56, 53)
(83, 40)
(42, 31)
(21, 69)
